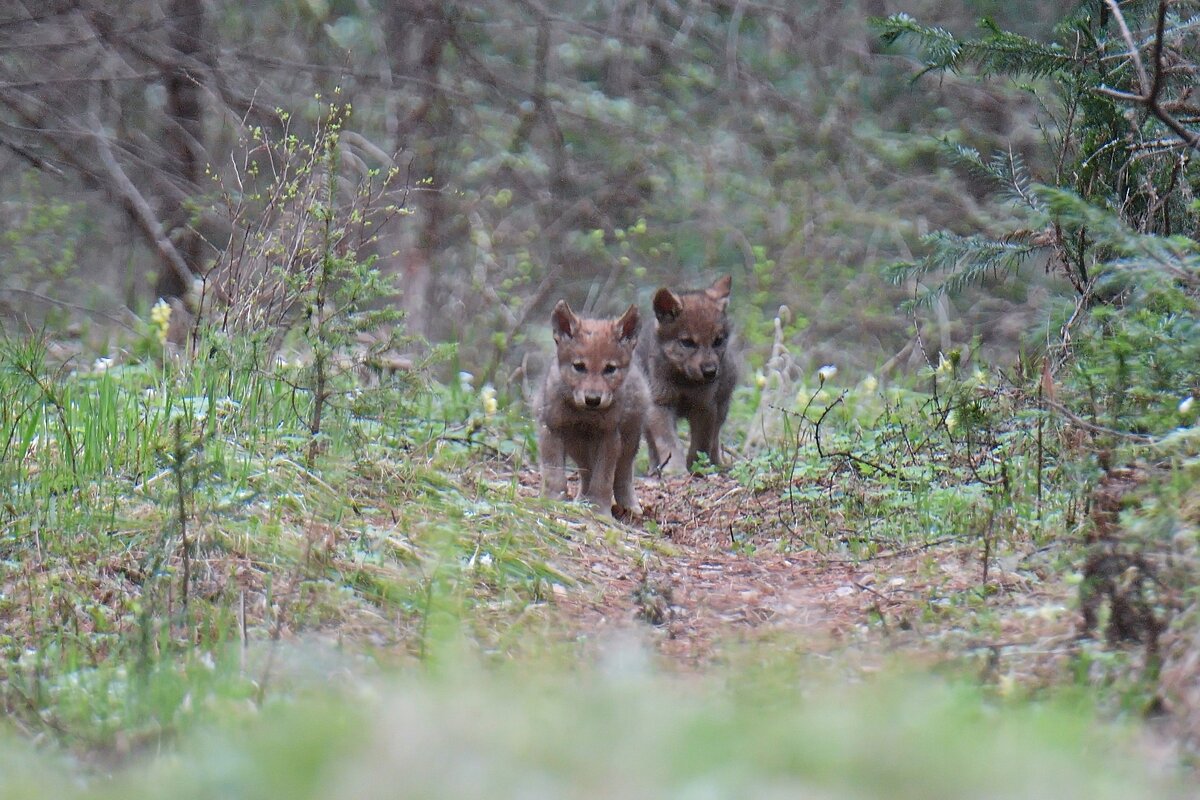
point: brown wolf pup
(592, 407)
(691, 374)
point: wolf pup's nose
(592, 400)
(709, 373)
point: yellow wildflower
(488, 395)
(944, 364)
(160, 318)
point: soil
(712, 565)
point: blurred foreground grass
(621, 728)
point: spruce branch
(997, 52)
(1005, 171)
(964, 260)
(1107, 229)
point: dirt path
(713, 564)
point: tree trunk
(184, 136)
(425, 133)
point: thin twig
(898, 553)
(1080, 422)
(820, 419)
(72, 306)
(1150, 87)
(1143, 80)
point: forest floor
(688, 574)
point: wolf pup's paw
(629, 513)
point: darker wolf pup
(592, 407)
(691, 374)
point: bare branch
(73, 306)
(1117, 94)
(139, 210)
(30, 157)
(1143, 81)
(1156, 85)
(1151, 89)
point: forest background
(786, 147)
(274, 283)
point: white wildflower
(1186, 405)
(827, 372)
(102, 364)
(466, 381)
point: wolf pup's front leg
(662, 442)
(631, 439)
(552, 455)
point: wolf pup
(592, 407)
(691, 374)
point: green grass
(944, 459)
(394, 529)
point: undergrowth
(157, 518)
(172, 559)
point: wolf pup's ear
(563, 322)
(627, 326)
(667, 305)
(720, 289)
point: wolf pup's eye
(609, 369)
(689, 343)
(579, 366)
(717, 342)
